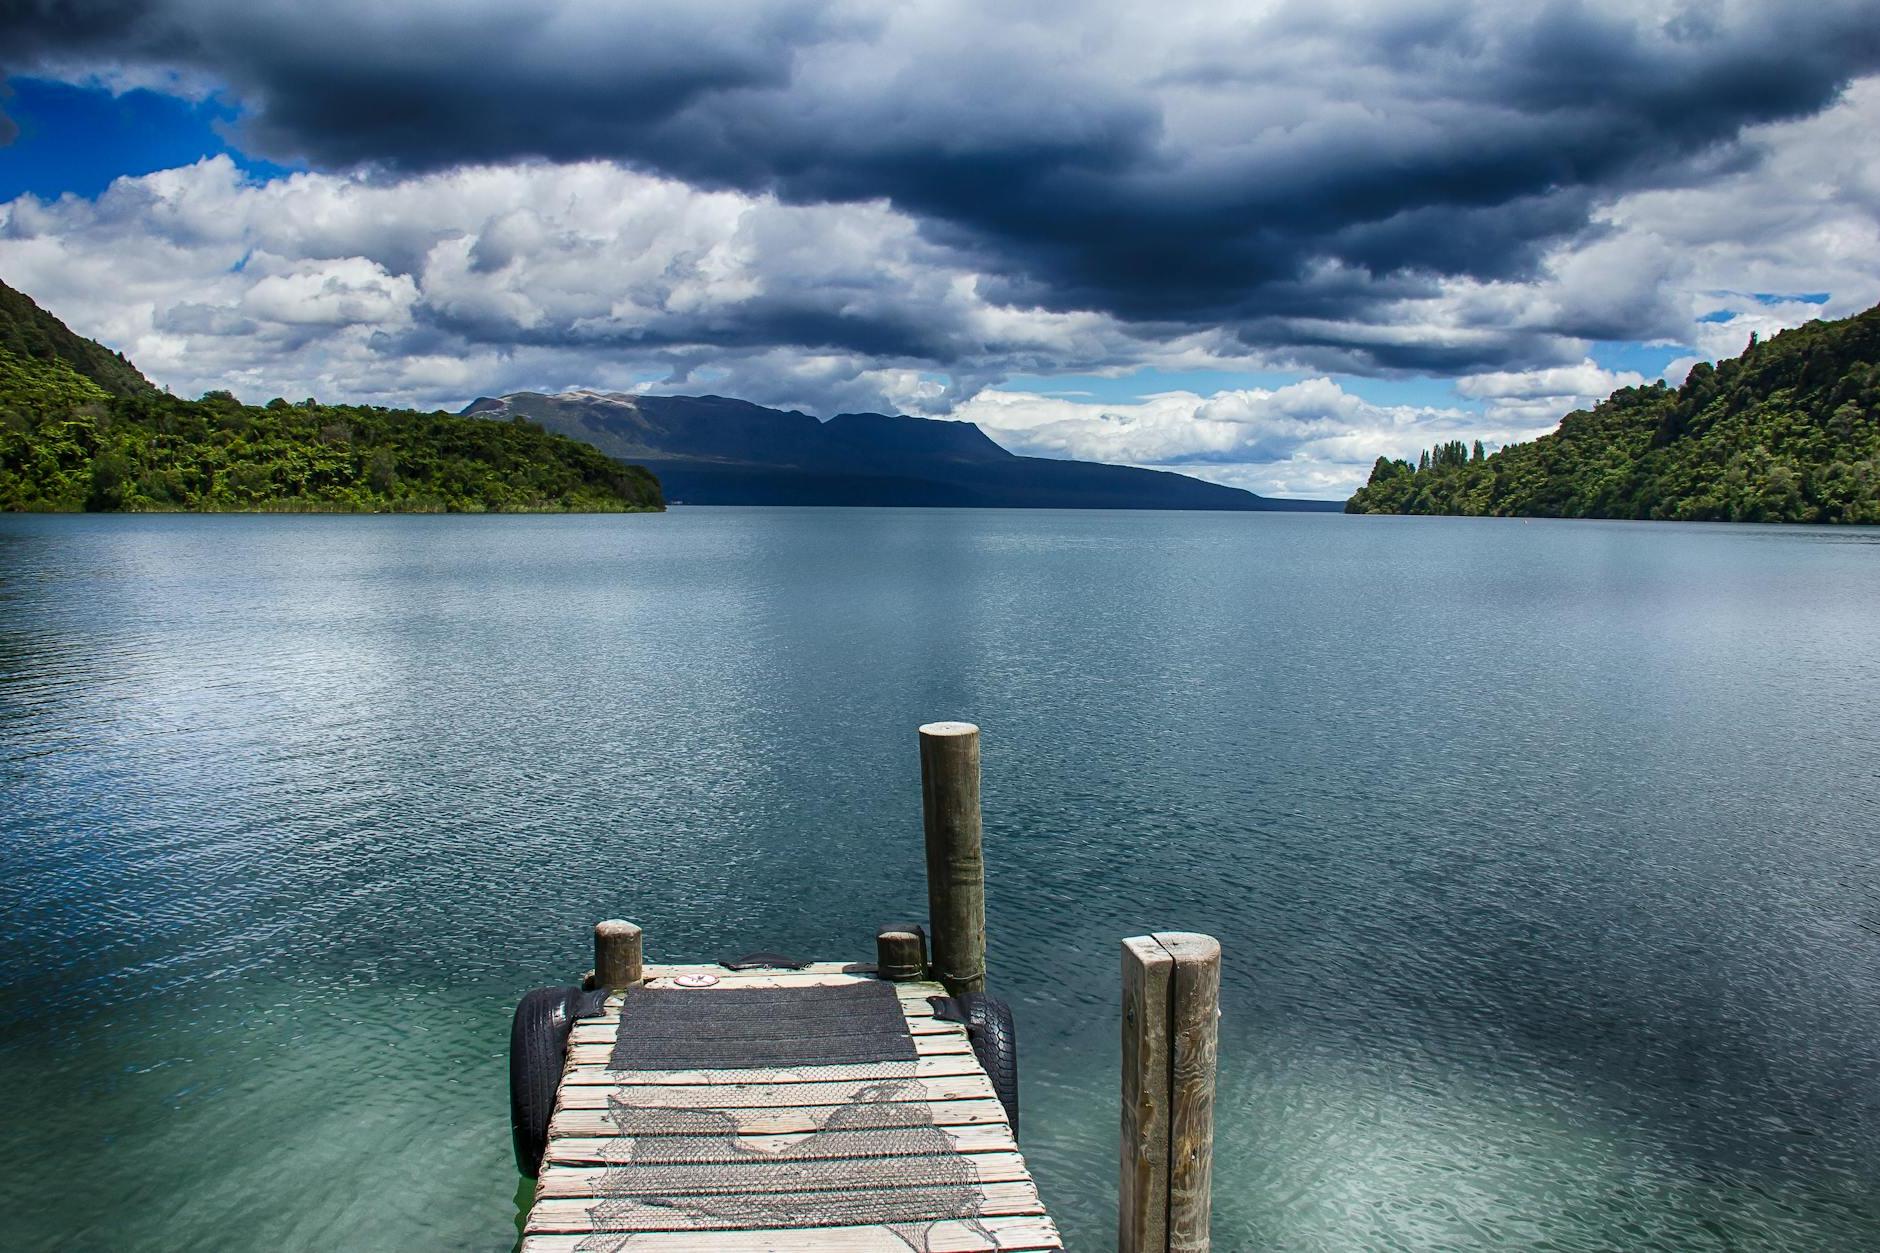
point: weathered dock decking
(787, 1159)
(764, 1106)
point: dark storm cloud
(1183, 167)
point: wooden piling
(617, 954)
(901, 952)
(1142, 1198)
(956, 872)
(1171, 1032)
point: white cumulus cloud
(1309, 439)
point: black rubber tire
(538, 1047)
(995, 1042)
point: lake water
(1545, 856)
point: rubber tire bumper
(538, 1049)
(995, 1042)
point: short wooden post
(1171, 1037)
(616, 954)
(956, 868)
(901, 952)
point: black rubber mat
(769, 1028)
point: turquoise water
(1540, 853)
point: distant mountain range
(711, 450)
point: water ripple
(1543, 856)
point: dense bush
(67, 443)
(1788, 432)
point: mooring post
(1171, 1037)
(956, 868)
(616, 954)
(901, 952)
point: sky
(1260, 243)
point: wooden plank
(608, 1148)
(606, 1030)
(776, 1119)
(1195, 1013)
(881, 1072)
(1142, 1199)
(984, 1235)
(573, 1214)
(575, 1094)
(658, 1179)
(912, 1007)
(779, 1108)
(728, 979)
(670, 970)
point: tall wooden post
(616, 954)
(1171, 1036)
(956, 868)
(1142, 1195)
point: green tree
(108, 473)
(381, 470)
(1786, 432)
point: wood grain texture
(783, 1117)
(667, 970)
(956, 869)
(662, 1180)
(995, 1200)
(967, 1087)
(1142, 1196)
(987, 1235)
(609, 1147)
(617, 954)
(1195, 1013)
(924, 1046)
(596, 1072)
(656, 977)
(901, 953)
(604, 1030)
(947, 1089)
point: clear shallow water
(1539, 852)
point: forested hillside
(30, 333)
(1788, 432)
(81, 429)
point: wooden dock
(764, 1106)
(591, 1194)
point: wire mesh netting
(877, 1159)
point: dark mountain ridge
(720, 451)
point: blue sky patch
(1646, 358)
(77, 139)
